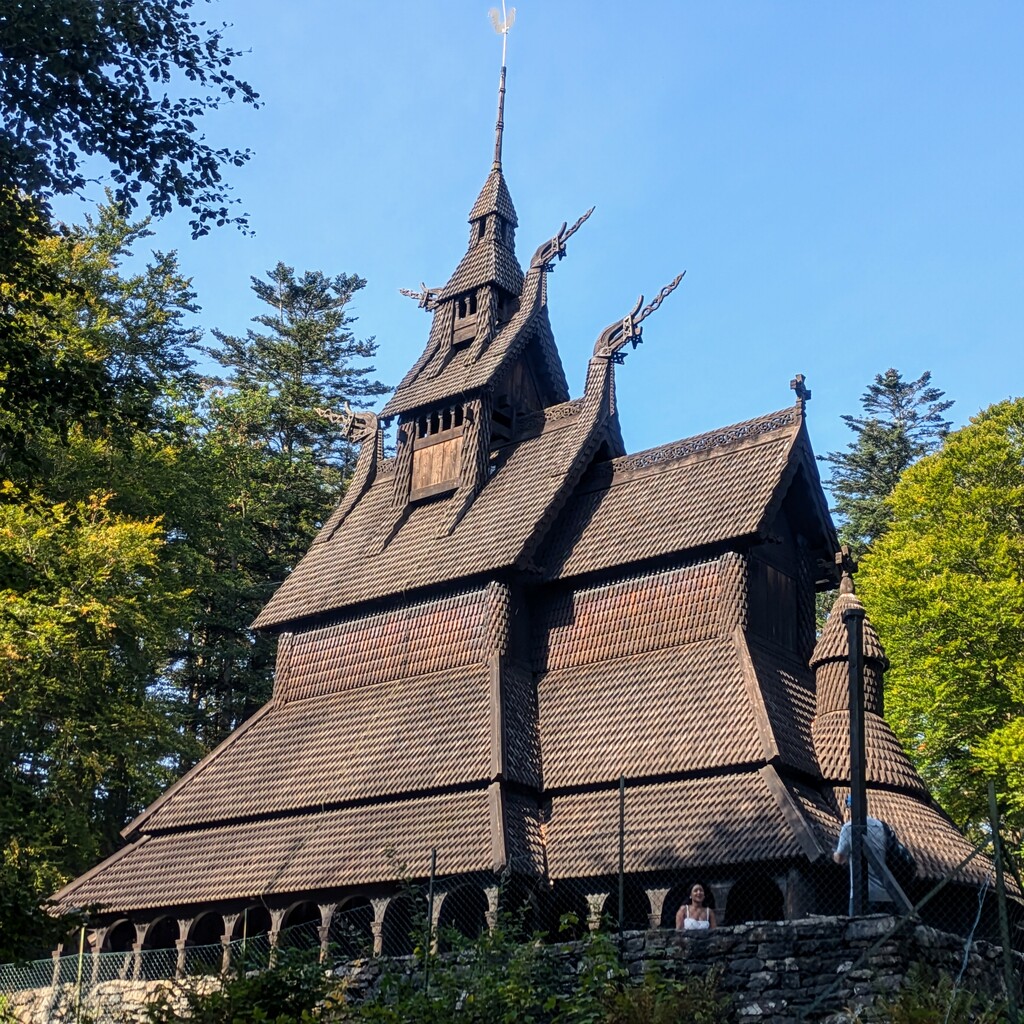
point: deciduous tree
(90, 595)
(126, 83)
(945, 587)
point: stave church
(503, 639)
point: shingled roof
(690, 494)
(441, 373)
(896, 793)
(733, 819)
(314, 851)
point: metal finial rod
(499, 127)
(501, 25)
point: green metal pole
(1004, 919)
(78, 979)
(430, 920)
(622, 851)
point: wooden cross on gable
(847, 565)
(803, 393)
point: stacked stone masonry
(810, 970)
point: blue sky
(841, 182)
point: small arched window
(465, 319)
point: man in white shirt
(879, 900)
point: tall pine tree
(902, 420)
(273, 469)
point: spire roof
(834, 642)
(494, 197)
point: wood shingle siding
(513, 612)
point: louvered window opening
(437, 451)
(465, 319)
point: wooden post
(622, 851)
(1004, 920)
(429, 944)
(854, 619)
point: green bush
(929, 997)
(293, 989)
(660, 1000)
(498, 980)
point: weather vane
(502, 25)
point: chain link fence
(978, 899)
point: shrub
(929, 997)
(293, 989)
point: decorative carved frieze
(703, 442)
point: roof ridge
(721, 437)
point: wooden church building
(502, 620)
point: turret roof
(441, 373)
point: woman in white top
(694, 916)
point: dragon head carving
(614, 338)
(357, 427)
(554, 248)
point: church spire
(490, 257)
(501, 26)
(500, 125)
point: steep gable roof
(368, 559)
(693, 493)
(442, 373)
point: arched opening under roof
(680, 894)
(162, 934)
(300, 929)
(159, 956)
(463, 916)
(568, 913)
(203, 950)
(350, 936)
(206, 930)
(120, 937)
(636, 907)
(400, 920)
(521, 908)
(253, 928)
(755, 896)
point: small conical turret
(887, 765)
(831, 657)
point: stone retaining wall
(790, 971)
(778, 973)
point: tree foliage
(494, 979)
(272, 470)
(88, 90)
(146, 521)
(85, 78)
(945, 587)
(88, 598)
(901, 421)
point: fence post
(1004, 920)
(429, 945)
(622, 851)
(78, 976)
